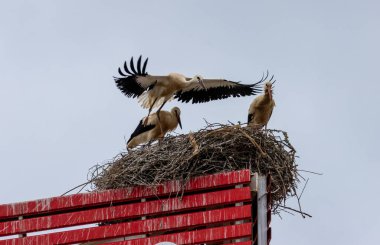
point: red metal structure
(224, 208)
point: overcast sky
(61, 112)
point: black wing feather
(121, 73)
(217, 93)
(144, 66)
(139, 65)
(250, 117)
(128, 82)
(129, 86)
(141, 129)
(151, 86)
(126, 68)
(132, 66)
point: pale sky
(61, 112)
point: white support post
(262, 208)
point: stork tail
(147, 100)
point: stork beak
(179, 120)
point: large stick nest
(216, 148)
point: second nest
(216, 148)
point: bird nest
(216, 148)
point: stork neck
(267, 97)
(172, 124)
(193, 80)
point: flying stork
(154, 91)
(262, 106)
(155, 128)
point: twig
(297, 211)
(193, 144)
(301, 170)
(84, 184)
(304, 187)
(253, 142)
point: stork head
(268, 89)
(177, 113)
(199, 79)
(268, 86)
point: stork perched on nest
(260, 110)
(155, 91)
(155, 128)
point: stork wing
(141, 129)
(216, 89)
(250, 117)
(134, 82)
(270, 114)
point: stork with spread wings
(154, 91)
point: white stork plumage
(155, 128)
(260, 110)
(155, 91)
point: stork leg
(150, 110)
(159, 123)
(159, 109)
(160, 139)
(266, 132)
(158, 115)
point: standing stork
(155, 128)
(262, 106)
(155, 91)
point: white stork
(260, 110)
(155, 91)
(156, 128)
